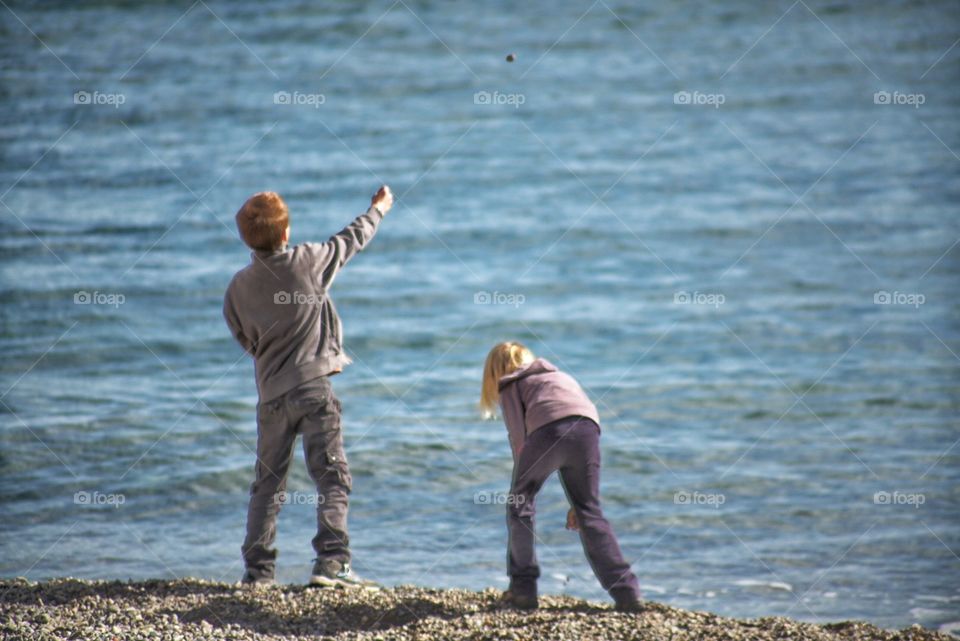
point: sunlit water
(746, 433)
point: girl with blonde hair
(552, 426)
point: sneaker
(627, 601)
(519, 601)
(331, 573)
(250, 580)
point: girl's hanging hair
(503, 359)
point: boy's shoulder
(291, 256)
(311, 249)
(245, 273)
(239, 275)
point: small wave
(757, 583)
(937, 598)
(884, 400)
(123, 230)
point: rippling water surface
(747, 432)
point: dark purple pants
(572, 446)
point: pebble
(193, 609)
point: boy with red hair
(278, 308)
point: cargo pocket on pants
(337, 461)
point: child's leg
(275, 439)
(327, 464)
(580, 477)
(538, 460)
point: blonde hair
(504, 358)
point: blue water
(781, 400)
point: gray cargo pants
(313, 411)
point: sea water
(735, 224)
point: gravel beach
(195, 609)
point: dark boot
(522, 594)
(626, 600)
(256, 579)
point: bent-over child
(552, 426)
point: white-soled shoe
(331, 573)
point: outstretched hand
(572, 523)
(383, 199)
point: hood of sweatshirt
(538, 366)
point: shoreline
(186, 609)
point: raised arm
(348, 242)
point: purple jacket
(537, 395)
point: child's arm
(514, 415)
(344, 245)
(233, 322)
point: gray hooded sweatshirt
(537, 395)
(279, 309)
